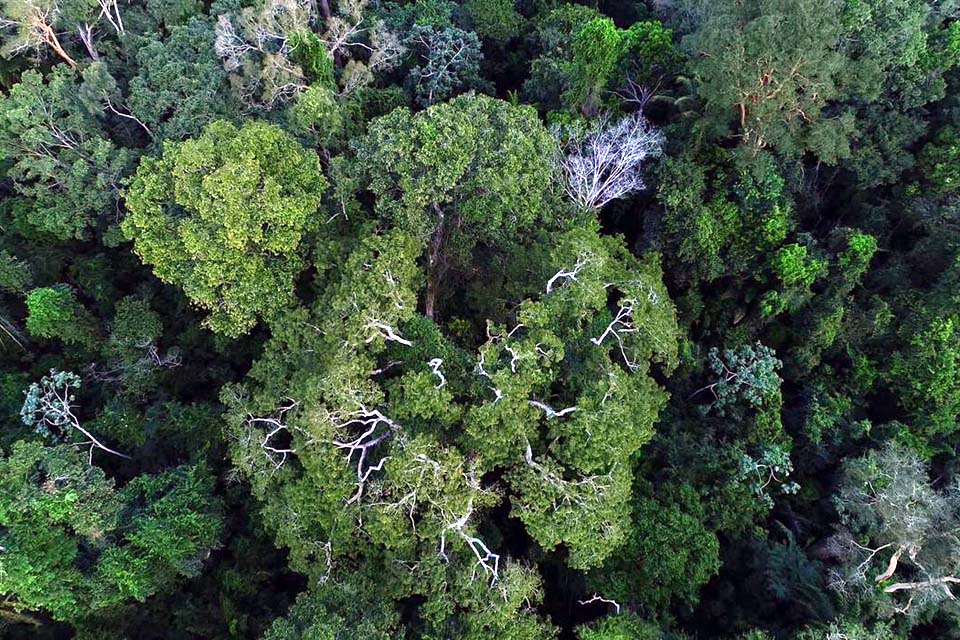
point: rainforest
(480, 319)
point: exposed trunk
(436, 261)
(18, 618)
(892, 565)
(50, 37)
(912, 586)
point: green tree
(74, 545)
(226, 216)
(584, 54)
(347, 608)
(473, 170)
(767, 68)
(180, 85)
(133, 357)
(53, 312)
(449, 63)
(623, 626)
(65, 168)
(494, 19)
(668, 555)
(50, 312)
(15, 275)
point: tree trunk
(18, 618)
(436, 261)
(50, 37)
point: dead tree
(605, 161)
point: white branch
(435, 367)
(621, 324)
(550, 411)
(582, 261)
(374, 428)
(604, 163)
(486, 559)
(597, 598)
(385, 331)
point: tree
(65, 168)
(848, 630)
(622, 626)
(770, 67)
(49, 409)
(352, 415)
(256, 48)
(603, 163)
(249, 196)
(924, 370)
(50, 313)
(132, 355)
(724, 216)
(939, 159)
(897, 532)
(171, 523)
(73, 545)
(269, 49)
(494, 19)
(471, 170)
(345, 607)
(748, 372)
(583, 54)
(54, 313)
(180, 85)
(43, 526)
(449, 63)
(35, 24)
(15, 275)
(669, 553)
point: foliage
(180, 84)
(50, 313)
(748, 372)
(620, 627)
(449, 63)
(887, 501)
(66, 170)
(668, 555)
(249, 195)
(73, 544)
(615, 320)
(495, 19)
(771, 67)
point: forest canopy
(480, 319)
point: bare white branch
(435, 367)
(604, 163)
(362, 431)
(621, 324)
(385, 331)
(486, 559)
(110, 10)
(550, 411)
(569, 274)
(49, 408)
(598, 598)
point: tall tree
(470, 171)
(225, 216)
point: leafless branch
(604, 163)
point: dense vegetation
(480, 319)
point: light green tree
(225, 216)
